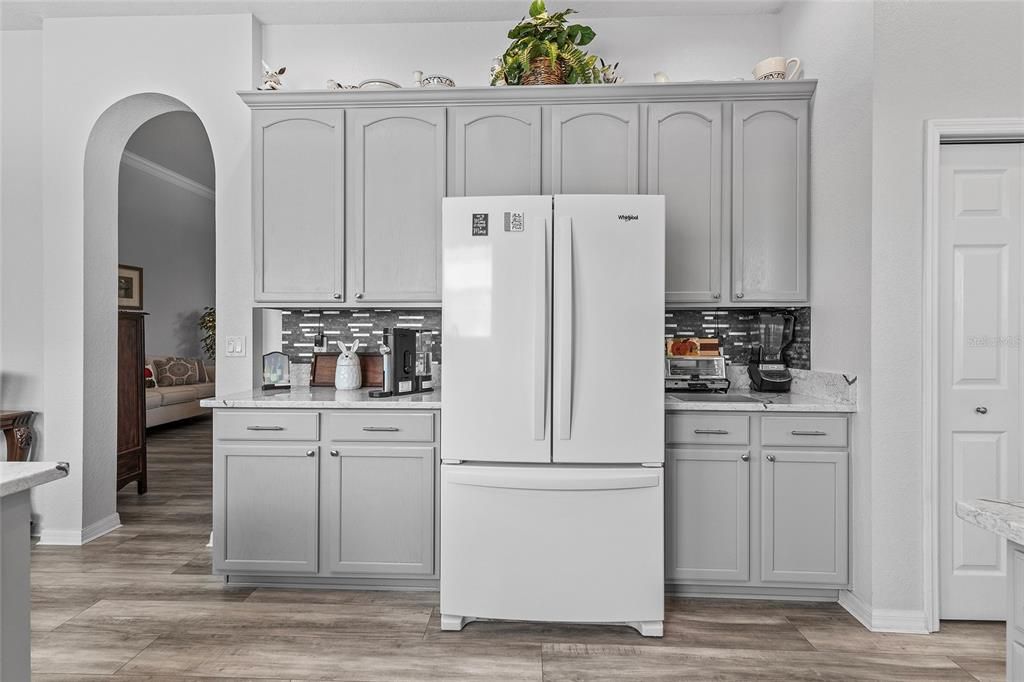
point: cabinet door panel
(497, 151)
(684, 162)
(265, 519)
(595, 149)
(708, 515)
(769, 201)
(396, 180)
(804, 525)
(378, 510)
(298, 214)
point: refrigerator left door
(496, 329)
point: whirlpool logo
(628, 217)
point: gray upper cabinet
(396, 179)
(804, 531)
(265, 516)
(298, 211)
(595, 149)
(496, 150)
(769, 201)
(684, 162)
(378, 510)
(707, 515)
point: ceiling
(29, 14)
(177, 141)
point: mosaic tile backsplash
(737, 328)
(299, 329)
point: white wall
(834, 41)
(200, 61)
(168, 231)
(687, 48)
(21, 210)
(931, 60)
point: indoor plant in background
(208, 328)
(545, 50)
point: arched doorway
(103, 156)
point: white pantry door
(981, 197)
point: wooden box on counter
(321, 374)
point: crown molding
(166, 174)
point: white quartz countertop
(16, 477)
(1003, 517)
(743, 400)
(306, 397)
(327, 398)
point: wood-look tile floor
(140, 604)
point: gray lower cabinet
(1015, 622)
(496, 150)
(595, 149)
(265, 509)
(377, 510)
(804, 525)
(769, 201)
(396, 180)
(707, 514)
(684, 163)
(298, 205)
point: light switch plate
(235, 347)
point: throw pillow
(174, 371)
(150, 376)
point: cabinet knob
(334, 453)
(745, 457)
(981, 409)
(310, 453)
(739, 294)
(770, 458)
(359, 295)
(337, 296)
(717, 295)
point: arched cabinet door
(594, 149)
(769, 201)
(298, 205)
(496, 151)
(684, 163)
(396, 162)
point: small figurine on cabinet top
(272, 78)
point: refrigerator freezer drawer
(552, 543)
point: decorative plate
(378, 84)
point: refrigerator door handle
(540, 339)
(565, 350)
(509, 480)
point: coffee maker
(767, 369)
(405, 370)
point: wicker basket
(543, 73)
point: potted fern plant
(545, 50)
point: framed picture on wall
(129, 287)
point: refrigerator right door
(608, 329)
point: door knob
(981, 409)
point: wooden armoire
(131, 399)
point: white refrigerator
(552, 419)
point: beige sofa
(166, 404)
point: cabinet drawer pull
(310, 453)
(265, 428)
(714, 432)
(381, 428)
(809, 433)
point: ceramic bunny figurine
(348, 374)
(272, 78)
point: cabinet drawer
(360, 425)
(700, 429)
(829, 432)
(265, 425)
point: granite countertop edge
(1002, 517)
(328, 398)
(16, 477)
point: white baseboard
(80, 537)
(884, 620)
